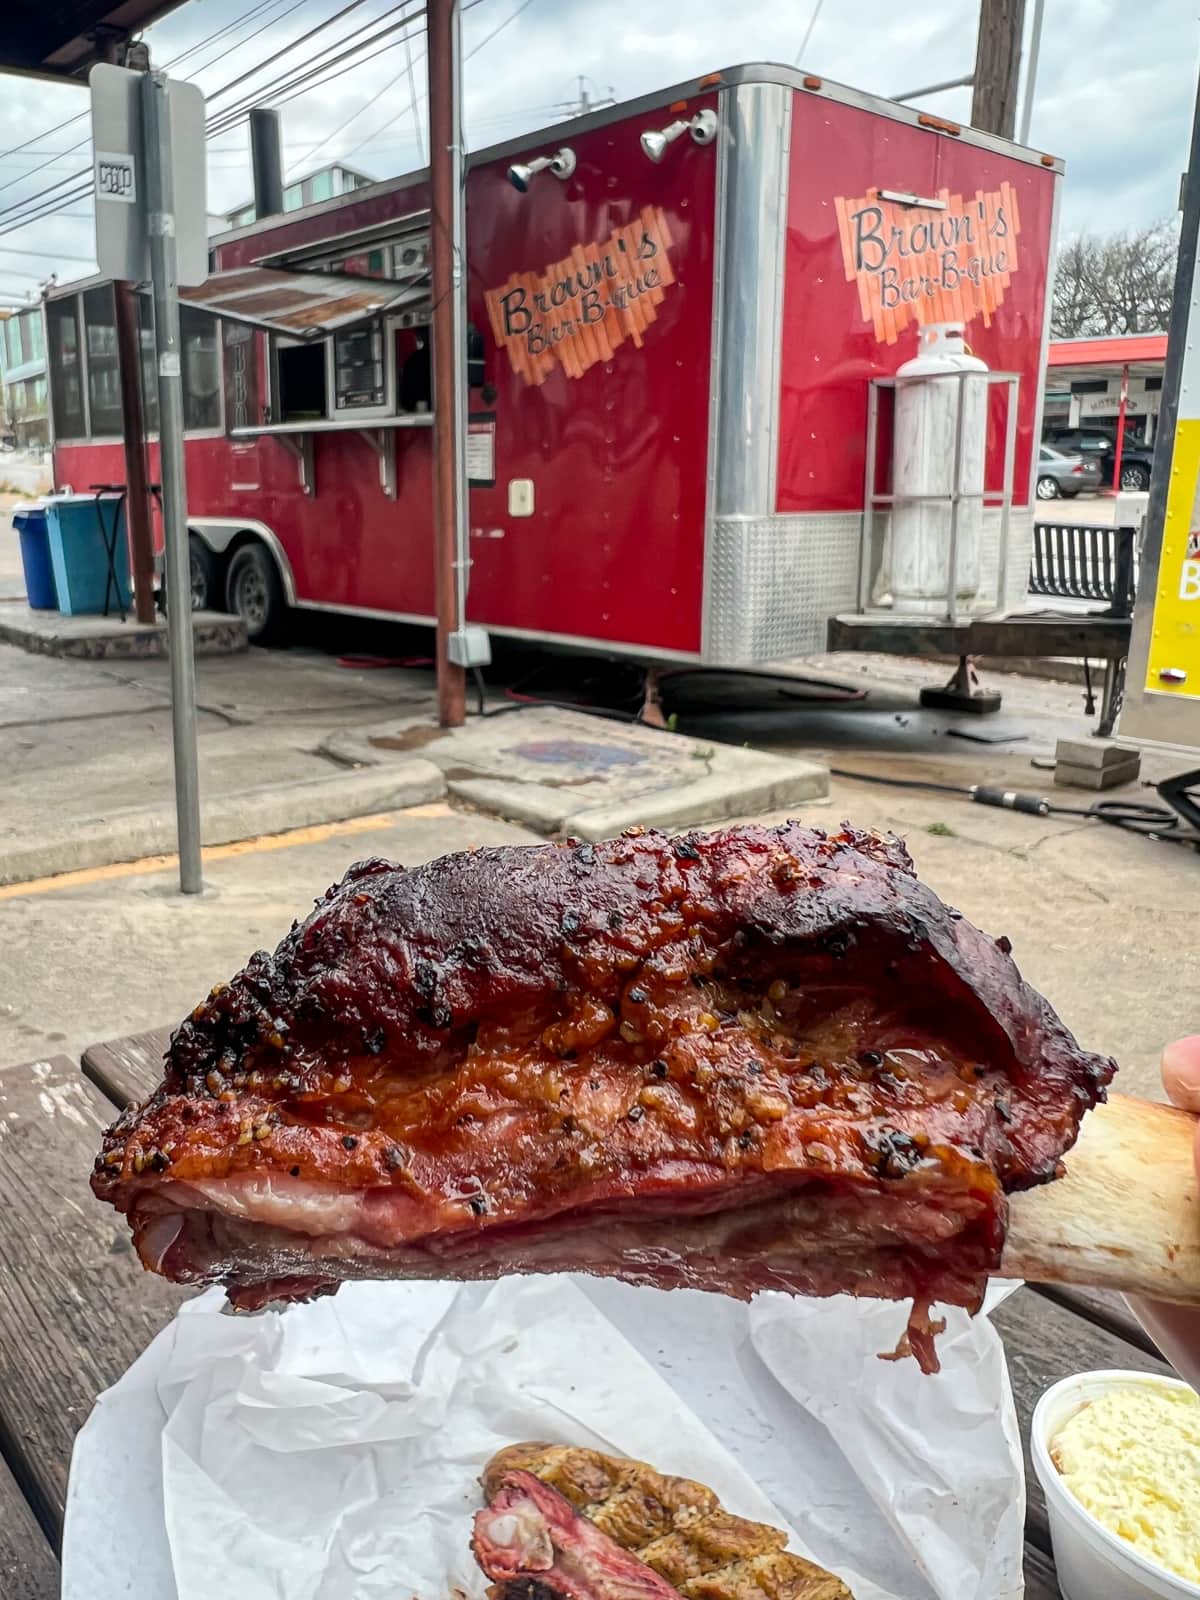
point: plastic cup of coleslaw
(1093, 1562)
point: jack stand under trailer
(963, 693)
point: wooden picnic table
(76, 1307)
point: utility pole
(448, 278)
(997, 66)
(583, 103)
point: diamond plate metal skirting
(772, 584)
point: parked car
(1136, 459)
(1059, 474)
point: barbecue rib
(751, 1059)
(562, 1521)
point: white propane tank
(923, 464)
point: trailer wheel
(202, 570)
(254, 592)
(1047, 489)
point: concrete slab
(563, 772)
(88, 960)
(48, 633)
(135, 832)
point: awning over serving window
(304, 305)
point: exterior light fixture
(561, 164)
(702, 127)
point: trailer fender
(223, 534)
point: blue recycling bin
(77, 526)
(29, 523)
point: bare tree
(1117, 283)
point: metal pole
(160, 216)
(866, 544)
(934, 88)
(1010, 457)
(955, 501)
(1035, 46)
(445, 167)
(266, 162)
(137, 502)
(1121, 410)
(458, 230)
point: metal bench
(1084, 561)
(1089, 561)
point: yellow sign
(581, 308)
(1173, 665)
(917, 263)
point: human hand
(1176, 1329)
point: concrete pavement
(104, 954)
(82, 743)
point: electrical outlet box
(469, 647)
(520, 497)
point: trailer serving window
(331, 340)
(300, 384)
(66, 368)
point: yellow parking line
(221, 852)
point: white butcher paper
(332, 1451)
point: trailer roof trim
(303, 305)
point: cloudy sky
(1115, 89)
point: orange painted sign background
(580, 309)
(916, 263)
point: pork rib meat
(755, 1058)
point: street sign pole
(160, 220)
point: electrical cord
(529, 702)
(1164, 824)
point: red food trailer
(677, 308)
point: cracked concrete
(563, 772)
(81, 741)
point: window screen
(201, 369)
(66, 370)
(243, 405)
(104, 376)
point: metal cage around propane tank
(881, 505)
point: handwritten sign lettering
(911, 263)
(580, 309)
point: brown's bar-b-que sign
(926, 264)
(581, 308)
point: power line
(405, 40)
(487, 39)
(296, 85)
(41, 255)
(288, 48)
(295, 81)
(15, 216)
(808, 32)
(298, 81)
(211, 38)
